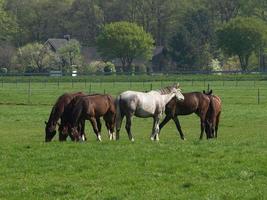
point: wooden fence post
(29, 91)
(258, 95)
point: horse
(213, 114)
(56, 113)
(92, 107)
(194, 102)
(64, 126)
(144, 104)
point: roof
(56, 43)
(158, 50)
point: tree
(191, 46)
(70, 54)
(224, 10)
(7, 51)
(39, 20)
(242, 36)
(85, 20)
(7, 24)
(126, 41)
(34, 58)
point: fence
(44, 91)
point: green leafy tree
(224, 10)
(85, 19)
(34, 58)
(191, 46)
(8, 24)
(242, 36)
(70, 54)
(39, 20)
(126, 41)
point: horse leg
(62, 137)
(119, 118)
(82, 127)
(165, 121)
(128, 127)
(99, 124)
(217, 124)
(155, 129)
(178, 126)
(112, 125)
(202, 126)
(108, 125)
(94, 124)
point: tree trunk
(243, 62)
(129, 63)
(123, 63)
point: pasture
(231, 167)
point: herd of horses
(73, 109)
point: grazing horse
(56, 113)
(213, 114)
(141, 104)
(194, 102)
(92, 107)
(65, 127)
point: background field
(231, 167)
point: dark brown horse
(213, 114)
(92, 107)
(194, 102)
(56, 113)
(64, 128)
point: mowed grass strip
(231, 167)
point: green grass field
(231, 167)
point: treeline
(198, 35)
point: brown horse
(213, 114)
(56, 113)
(194, 102)
(64, 128)
(92, 107)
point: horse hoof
(132, 140)
(99, 138)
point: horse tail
(118, 113)
(211, 116)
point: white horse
(144, 104)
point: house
(54, 44)
(159, 59)
(158, 62)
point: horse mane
(166, 90)
(55, 115)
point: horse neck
(76, 114)
(167, 97)
(53, 116)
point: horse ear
(176, 85)
(204, 92)
(210, 92)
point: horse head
(177, 91)
(50, 131)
